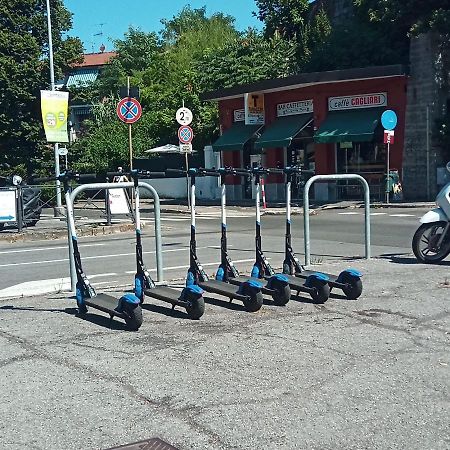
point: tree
(286, 18)
(246, 60)
(135, 53)
(295, 20)
(24, 70)
(166, 71)
(410, 16)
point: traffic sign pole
(389, 122)
(130, 142)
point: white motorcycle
(431, 241)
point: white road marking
(378, 214)
(203, 265)
(50, 261)
(41, 249)
(402, 215)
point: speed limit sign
(184, 116)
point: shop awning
(235, 137)
(281, 132)
(357, 125)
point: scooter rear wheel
(282, 293)
(195, 307)
(424, 243)
(353, 289)
(321, 292)
(254, 301)
(133, 316)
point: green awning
(357, 125)
(281, 132)
(235, 137)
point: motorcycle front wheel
(425, 242)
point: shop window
(364, 158)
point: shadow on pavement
(166, 311)
(401, 258)
(105, 322)
(238, 306)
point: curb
(101, 230)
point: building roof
(96, 59)
(81, 77)
(306, 79)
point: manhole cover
(149, 444)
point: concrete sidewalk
(371, 373)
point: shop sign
(254, 109)
(292, 108)
(239, 115)
(357, 101)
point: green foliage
(287, 18)
(247, 59)
(412, 17)
(24, 70)
(167, 74)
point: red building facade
(339, 130)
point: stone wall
(427, 91)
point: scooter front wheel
(425, 243)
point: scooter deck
(332, 281)
(106, 303)
(222, 288)
(243, 278)
(297, 284)
(165, 294)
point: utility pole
(58, 210)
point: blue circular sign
(389, 119)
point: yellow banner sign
(54, 106)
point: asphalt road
(109, 260)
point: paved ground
(371, 373)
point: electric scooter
(126, 307)
(277, 284)
(348, 280)
(431, 241)
(249, 292)
(190, 297)
(316, 285)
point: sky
(117, 15)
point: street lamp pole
(58, 209)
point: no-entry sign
(129, 110)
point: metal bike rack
(130, 184)
(306, 209)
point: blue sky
(118, 15)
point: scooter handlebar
(265, 170)
(137, 173)
(66, 176)
(175, 171)
(297, 169)
(85, 176)
(274, 170)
